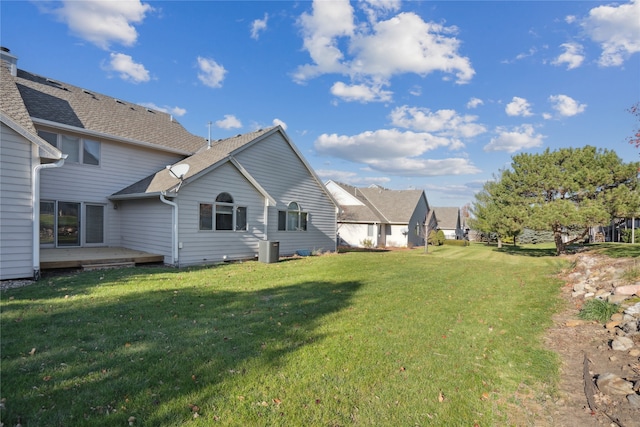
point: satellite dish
(179, 171)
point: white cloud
(617, 29)
(566, 106)
(127, 68)
(348, 177)
(321, 28)
(103, 22)
(372, 53)
(229, 122)
(570, 19)
(394, 151)
(442, 122)
(360, 92)
(407, 44)
(278, 122)
(375, 8)
(516, 139)
(211, 73)
(258, 26)
(518, 107)
(474, 103)
(175, 111)
(380, 144)
(425, 167)
(572, 56)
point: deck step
(108, 265)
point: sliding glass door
(64, 224)
(68, 224)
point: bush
(597, 309)
(440, 237)
(433, 238)
(367, 243)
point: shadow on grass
(530, 251)
(148, 352)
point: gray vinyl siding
(120, 166)
(284, 176)
(146, 226)
(418, 217)
(206, 246)
(16, 232)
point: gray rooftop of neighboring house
(381, 204)
(447, 217)
(79, 109)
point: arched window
(224, 198)
(293, 219)
(224, 212)
(228, 216)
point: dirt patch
(584, 348)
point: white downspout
(174, 234)
(266, 219)
(35, 219)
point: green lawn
(370, 338)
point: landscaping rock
(632, 328)
(612, 324)
(634, 310)
(622, 344)
(634, 400)
(611, 384)
(617, 317)
(627, 290)
(616, 299)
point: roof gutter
(35, 203)
(110, 137)
(174, 234)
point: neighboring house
(378, 217)
(115, 189)
(449, 222)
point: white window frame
(83, 144)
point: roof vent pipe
(209, 139)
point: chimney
(12, 61)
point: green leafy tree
(571, 189)
(496, 210)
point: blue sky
(430, 95)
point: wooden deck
(82, 257)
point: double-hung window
(78, 150)
(293, 219)
(223, 215)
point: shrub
(367, 243)
(433, 238)
(597, 309)
(440, 237)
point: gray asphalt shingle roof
(62, 103)
(220, 150)
(447, 217)
(381, 204)
(15, 114)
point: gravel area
(10, 284)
